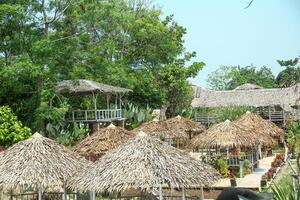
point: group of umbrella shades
(140, 162)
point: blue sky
(222, 32)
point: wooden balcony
(86, 116)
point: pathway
(251, 181)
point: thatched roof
(260, 125)
(96, 145)
(225, 134)
(144, 163)
(248, 86)
(83, 86)
(37, 162)
(284, 97)
(177, 127)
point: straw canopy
(144, 163)
(96, 145)
(225, 134)
(260, 125)
(37, 162)
(87, 86)
(177, 127)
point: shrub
(220, 164)
(11, 129)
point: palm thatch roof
(83, 86)
(248, 86)
(260, 125)
(283, 97)
(177, 127)
(96, 145)
(225, 134)
(144, 162)
(37, 162)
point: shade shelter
(94, 116)
(37, 163)
(174, 130)
(261, 126)
(147, 164)
(96, 145)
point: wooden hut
(37, 163)
(175, 131)
(106, 139)
(95, 117)
(146, 164)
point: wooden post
(227, 151)
(160, 192)
(92, 195)
(241, 169)
(65, 193)
(252, 160)
(11, 195)
(40, 193)
(183, 193)
(202, 193)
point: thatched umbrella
(225, 134)
(260, 125)
(177, 127)
(96, 145)
(38, 163)
(144, 163)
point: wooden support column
(160, 192)
(241, 169)
(183, 193)
(11, 195)
(202, 193)
(65, 193)
(40, 193)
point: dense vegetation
(229, 77)
(119, 42)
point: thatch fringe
(144, 163)
(96, 145)
(37, 162)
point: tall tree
(230, 77)
(291, 74)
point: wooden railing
(94, 115)
(235, 161)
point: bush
(136, 115)
(220, 164)
(11, 129)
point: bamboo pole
(160, 192)
(183, 193)
(40, 197)
(65, 193)
(202, 193)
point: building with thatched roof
(94, 116)
(225, 134)
(279, 105)
(261, 126)
(105, 139)
(144, 163)
(37, 163)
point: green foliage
(220, 164)
(286, 193)
(118, 42)
(11, 129)
(290, 75)
(246, 167)
(230, 77)
(293, 137)
(136, 115)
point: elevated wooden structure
(95, 117)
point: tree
(118, 42)
(230, 77)
(291, 74)
(11, 129)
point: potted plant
(264, 180)
(232, 180)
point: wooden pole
(11, 195)
(65, 193)
(183, 193)
(40, 193)
(160, 192)
(202, 193)
(92, 195)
